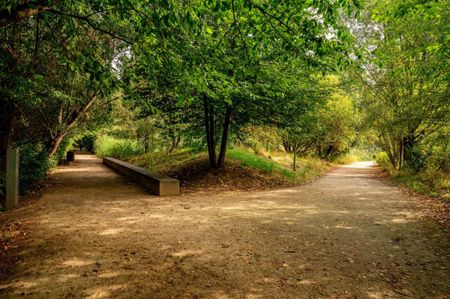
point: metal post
(12, 178)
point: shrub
(33, 166)
(86, 142)
(117, 148)
(384, 162)
(64, 147)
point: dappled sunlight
(187, 253)
(400, 220)
(111, 231)
(253, 296)
(109, 274)
(376, 295)
(103, 291)
(306, 282)
(128, 218)
(221, 295)
(67, 277)
(26, 284)
(343, 226)
(68, 169)
(77, 262)
(239, 244)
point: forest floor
(346, 235)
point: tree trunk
(174, 143)
(408, 152)
(209, 130)
(287, 146)
(53, 144)
(22, 11)
(223, 145)
(6, 129)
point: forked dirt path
(347, 235)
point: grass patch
(430, 181)
(435, 184)
(280, 163)
(165, 162)
(261, 163)
(106, 146)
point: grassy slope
(280, 164)
(244, 169)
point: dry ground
(347, 235)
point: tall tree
(405, 75)
(221, 52)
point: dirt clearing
(347, 235)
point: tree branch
(91, 24)
(23, 11)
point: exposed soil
(346, 235)
(197, 176)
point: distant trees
(327, 128)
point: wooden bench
(156, 183)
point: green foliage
(87, 142)
(327, 129)
(279, 165)
(265, 165)
(228, 65)
(432, 180)
(65, 146)
(404, 76)
(260, 137)
(383, 161)
(106, 146)
(34, 165)
(164, 162)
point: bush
(117, 148)
(433, 178)
(415, 158)
(33, 166)
(384, 162)
(65, 146)
(86, 142)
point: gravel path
(347, 235)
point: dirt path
(347, 235)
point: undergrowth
(116, 148)
(430, 180)
(276, 165)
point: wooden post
(12, 178)
(295, 157)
